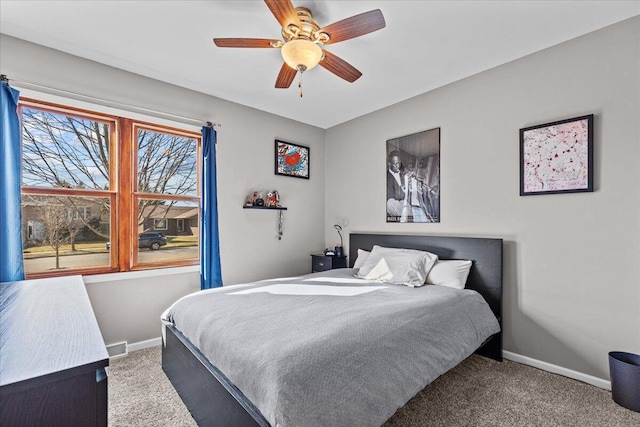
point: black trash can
(624, 369)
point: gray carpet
(478, 392)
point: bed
(335, 360)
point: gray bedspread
(327, 349)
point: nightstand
(321, 262)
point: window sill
(113, 277)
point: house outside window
(35, 230)
(82, 167)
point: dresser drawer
(320, 263)
(324, 263)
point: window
(92, 184)
(160, 224)
(80, 212)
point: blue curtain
(11, 266)
(210, 274)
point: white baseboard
(554, 369)
(144, 344)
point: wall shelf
(279, 208)
(280, 216)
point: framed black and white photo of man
(413, 177)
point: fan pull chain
(300, 85)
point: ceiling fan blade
(284, 12)
(339, 67)
(355, 26)
(285, 77)
(245, 42)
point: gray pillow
(408, 267)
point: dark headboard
(485, 276)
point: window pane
(62, 233)
(167, 164)
(59, 150)
(160, 236)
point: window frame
(122, 193)
(137, 195)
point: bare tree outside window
(73, 152)
(74, 228)
(167, 164)
(57, 223)
(65, 152)
(54, 231)
(80, 160)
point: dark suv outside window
(151, 240)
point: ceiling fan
(303, 40)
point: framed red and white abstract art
(557, 157)
(292, 160)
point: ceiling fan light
(301, 54)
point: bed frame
(214, 401)
(485, 276)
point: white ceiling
(425, 45)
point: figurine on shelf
(257, 198)
(276, 195)
(271, 199)
(250, 199)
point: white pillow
(451, 273)
(362, 257)
(399, 266)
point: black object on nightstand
(321, 262)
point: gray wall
(572, 261)
(129, 309)
(572, 290)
